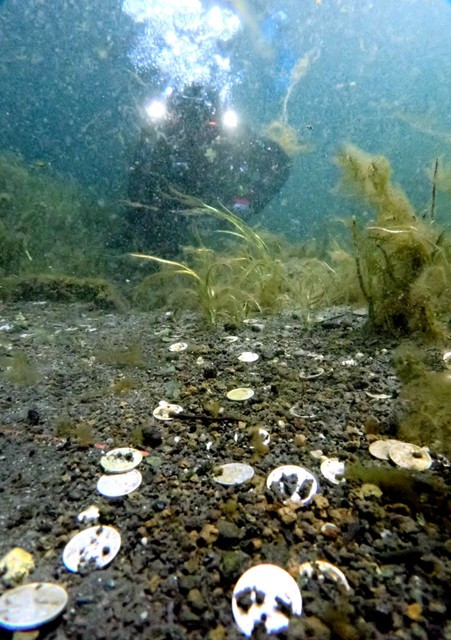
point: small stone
(414, 611)
(196, 600)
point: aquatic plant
(397, 254)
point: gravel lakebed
(77, 382)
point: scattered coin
(322, 569)
(234, 473)
(410, 456)
(120, 460)
(231, 338)
(292, 483)
(311, 376)
(331, 468)
(31, 605)
(91, 513)
(447, 359)
(248, 356)
(120, 484)
(265, 594)
(380, 448)
(94, 547)
(378, 396)
(166, 411)
(240, 393)
(178, 346)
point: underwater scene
(225, 319)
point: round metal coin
(248, 356)
(234, 473)
(265, 594)
(178, 346)
(166, 411)
(410, 456)
(331, 468)
(120, 460)
(31, 605)
(292, 483)
(323, 569)
(240, 394)
(120, 484)
(380, 448)
(94, 547)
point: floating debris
(240, 393)
(248, 356)
(16, 565)
(331, 468)
(178, 346)
(91, 513)
(31, 605)
(292, 483)
(265, 594)
(92, 548)
(166, 411)
(121, 460)
(322, 569)
(234, 473)
(311, 376)
(121, 484)
(410, 456)
(380, 448)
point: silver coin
(31, 605)
(94, 547)
(119, 484)
(234, 473)
(121, 460)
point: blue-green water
(75, 75)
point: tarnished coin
(240, 393)
(292, 483)
(166, 410)
(410, 456)
(121, 460)
(265, 594)
(120, 484)
(92, 548)
(31, 605)
(234, 473)
(380, 448)
(322, 569)
(332, 469)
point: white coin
(120, 460)
(265, 593)
(120, 484)
(323, 568)
(178, 346)
(447, 359)
(331, 468)
(234, 473)
(91, 513)
(31, 605)
(248, 356)
(295, 484)
(240, 393)
(166, 411)
(94, 547)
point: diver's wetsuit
(192, 153)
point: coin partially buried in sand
(234, 473)
(31, 605)
(292, 483)
(121, 460)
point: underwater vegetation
(47, 224)
(426, 401)
(252, 273)
(402, 258)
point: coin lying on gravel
(248, 356)
(234, 473)
(240, 393)
(178, 346)
(94, 547)
(120, 484)
(380, 448)
(31, 605)
(322, 569)
(120, 460)
(265, 594)
(410, 456)
(166, 411)
(332, 469)
(291, 483)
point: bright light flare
(230, 119)
(156, 110)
